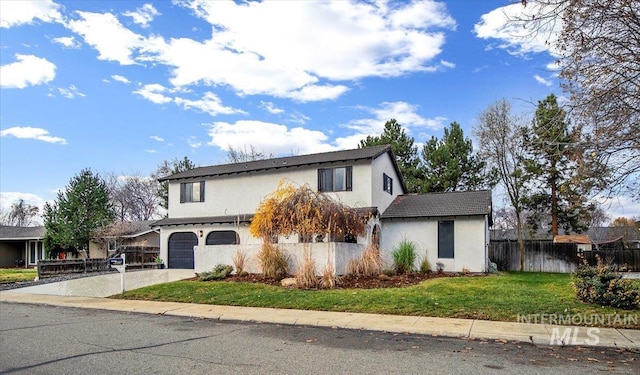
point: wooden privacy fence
(139, 257)
(56, 267)
(546, 256)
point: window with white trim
(192, 192)
(335, 179)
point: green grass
(498, 297)
(11, 275)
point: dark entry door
(181, 250)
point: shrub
(425, 266)
(273, 261)
(220, 271)
(239, 261)
(600, 284)
(306, 273)
(404, 257)
(369, 264)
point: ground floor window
(445, 239)
(36, 251)
(223, 237)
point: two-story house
(210, 208)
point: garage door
(181, 250)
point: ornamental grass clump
(600, 284)
(369, 264)
(240, 262)
(404, 257)
(328, 278)
(306, 273)
(273, 261)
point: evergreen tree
(404, 150)
(553, 164)
(168, 168)
(81, 209)
(450, 164)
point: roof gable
(365, 153)
(467, 203)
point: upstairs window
(387, 183)
(192, 192)
(335, 179)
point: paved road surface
(55, 340)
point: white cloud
(209, 103)
(269, 138)
(193, 142)
(106, 34)
(271, 108)
(143, 15)
(251, 46)
(543, 81)
(500, 24)
(28, 70)
(20, 12)
(32, 133)
(67, 42)
(404, 113)
(311, 93)
(154, 93)
(70, 93)
(150, 151)
(120, 78)
(156, 138)
(447, 64)
(553, 66)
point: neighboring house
(210, 209)
(447, 228)
(126, 234)
(607, 237)
(21, 246)
(582, 241)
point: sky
(121, 86)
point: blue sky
(120, 86)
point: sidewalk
(542, 334)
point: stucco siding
(469, 242)
(241, 194)
(381, 198)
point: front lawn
(504, 297)
(12, 275)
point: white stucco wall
(470, 242)
(241, 193)
(379, 167)
(334, 254)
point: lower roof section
(227, 219)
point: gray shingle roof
(227, 219)
(468, 203)
(21, 233)
(365, 153)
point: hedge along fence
(56, 267)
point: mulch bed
(355, 282)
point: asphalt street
(37, 339)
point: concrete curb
(541, 334)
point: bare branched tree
(500, 136)
(134, 197)
(21, 214)
(598, 47)
(241, 155)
